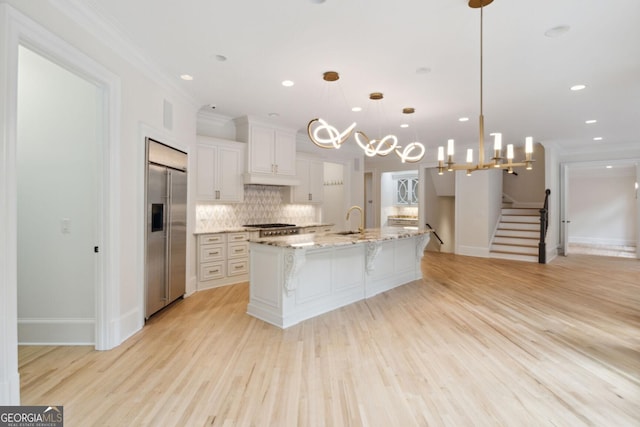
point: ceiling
(379, 45)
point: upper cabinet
(311, 176)
(219, 170)
(271, 153)
(406, 191)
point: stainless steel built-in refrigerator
(166, 226)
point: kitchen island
(294, 278)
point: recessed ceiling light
(590, 122)
(609, 167)
(463, 119)
(317, 1)
(577, 87)
(557, 31)
(187, 77)
(273, 115)
(287, 83)
(221, 58)
(597, 138)
(423, 70)
(404, 125)
(356, 109)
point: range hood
(265, 179)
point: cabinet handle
(237, 267)
(276, 168)
(238, 250)
(213, 271)
(310, 196)
(217, 194)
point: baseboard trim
(602, 241)
(475, 251)
(130, 323)
(39, 331)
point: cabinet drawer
(211, 270)
(237, 266)
(211, 253)
(209, 239)
(237, 237)
(236, 250)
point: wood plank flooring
(477, 342)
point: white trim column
(9, 376)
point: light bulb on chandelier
(320, 132)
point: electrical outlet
(65, 225)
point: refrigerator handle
(167, 250)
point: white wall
(57, 179)
(527, 188)
(438, 210)
(602, 206)
(387, 191)
(477, 211)
(333, 211)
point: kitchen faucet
(361, 228)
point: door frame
(564, 208)
(23, 31)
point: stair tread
(517, 229)
(519, 245)
(512, 253)
(506, 236)
(519, 222)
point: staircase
(517, 235)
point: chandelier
(497, 161)
(324, 135)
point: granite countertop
(241, 229)
(337, 239)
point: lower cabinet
(223, 259)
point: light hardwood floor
(477, 342)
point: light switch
(65, 225)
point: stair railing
(544, 225)
(434, 233)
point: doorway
(58, 141)
(600, 212)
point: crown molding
(105, 30)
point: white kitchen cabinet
(271, 153)
(310, 172)
(220, 165)
(223, 259)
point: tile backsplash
(262, 204)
